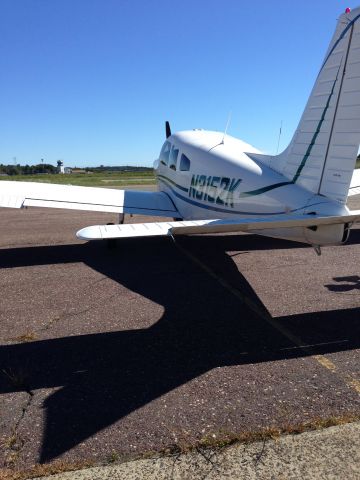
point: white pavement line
(333, 453)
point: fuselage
(209, 175)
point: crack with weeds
(15, 443)
(201, 451)
(176, 458)
(209, 459)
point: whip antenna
(277, 150)
(227, 126)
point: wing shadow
(105, 376)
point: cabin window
(164, 154)
(173, 158)
(184, 163)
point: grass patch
(27, 337)
(185, 444)
(103, 179)
(222, 438)
(113, 457)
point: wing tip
(89, 233)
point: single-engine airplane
(211, 182)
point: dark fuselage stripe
(184, 189)
(232, 212)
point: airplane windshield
(164, 154)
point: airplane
(211, 182)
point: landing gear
(111, 243)
(317, 249)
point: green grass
(105, 179)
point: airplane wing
(101, 232)
(355, 183)
(31, 194)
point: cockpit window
(173, 157)
(164, 154)
(184, 163)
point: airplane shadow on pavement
(105, 376)
(345, 284)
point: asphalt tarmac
(109, 353)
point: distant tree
(12, 170)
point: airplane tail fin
(322, 154)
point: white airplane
(212, 182)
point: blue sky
(93, 81)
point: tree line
(27, 169)
(47, 168)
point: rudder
(322, 154)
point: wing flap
(22, 194)
(100, 232)
(279, 221)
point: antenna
(277, 150)
(227, 126)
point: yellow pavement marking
(355, 384)
(263, 313)
(325, 362)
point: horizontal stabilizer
(100, 232)
(31, 194)
(156, 229)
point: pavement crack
(260, 455)
(32, 335)
(176, 459)
(15, 443)
(66, 315)
(209, 460)
(202, 452)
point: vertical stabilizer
(322, 154)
